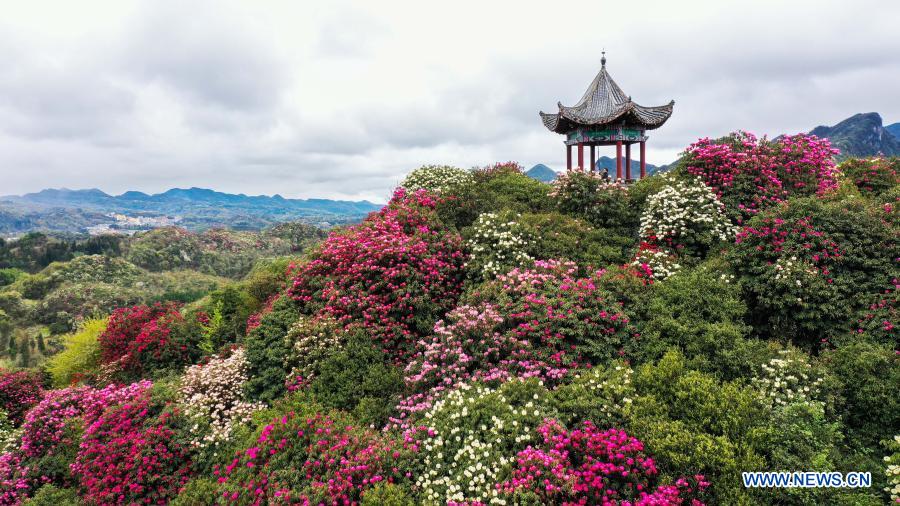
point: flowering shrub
(601, 202)
(19, 391)
(131, 454)
(654, 263)
(394, 274)
(498, 244)
(569, 319)
(475, 432)
(893, 469)
(880, 319)
(51, 435)
(498, 169)
(687, 217)
(590, 466)
(313, 339)
(873, 176)
(751, 174)
(789, 379)
(213, 398)
(467, 345)
(310, 458)
(438, 179)
(807, 267)
(601, 394)
(143, 339)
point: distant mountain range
(63, 210)
(543, 173)
(862, 135)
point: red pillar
(593, 159)
(643, 160)
(618, 159)
(580, 156)
(568, 157)
(628, 162)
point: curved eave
(629, 112)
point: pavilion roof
(604, 103)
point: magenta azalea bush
(751, 174)
(312, 458)
(131, 455)
(394, 274)
(592, 466)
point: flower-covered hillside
(487, 338)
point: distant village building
(606, 116)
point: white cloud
(340, 99)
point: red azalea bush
(751, 174)
(394, 274)
(874, 176)
(19, 391)
(143, 339)
(589, 466)
(311, 458)
(131, 455)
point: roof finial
(603, 58)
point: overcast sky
(341, 99)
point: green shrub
(602, 395)
(80, 356)
(600, 202)
(868, 374)
(359, 380)
(556, 235)
(387, 494)
(700, 312)
(267, 349)
(512, 190)
(51, 495)
(693, 424)
(196, 492)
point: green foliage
(558, 236)
(387, 494)
(512, 190)
(51, 495)
(868, 374)
(358, 379)
(196, 492)
(80, 357)
(9, 276)
(700, 312)
(267, 349)
(692, 423)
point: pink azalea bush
(19, 391)
(468, 345)
(597, 467)
(571, 319)
(52, 433)
(131, 455)
(394, 274)
(311, 458)
(873, 176)
(751, 174)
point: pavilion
(606, 116)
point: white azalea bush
(601, 394)
(312, 340)
(655, 264)
(213, 398)
(893, 469)
(687, 217)
(9, 435)
(789, 378)
(498, 244)
(476, 433)
(440, 179)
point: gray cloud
(341, 99)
